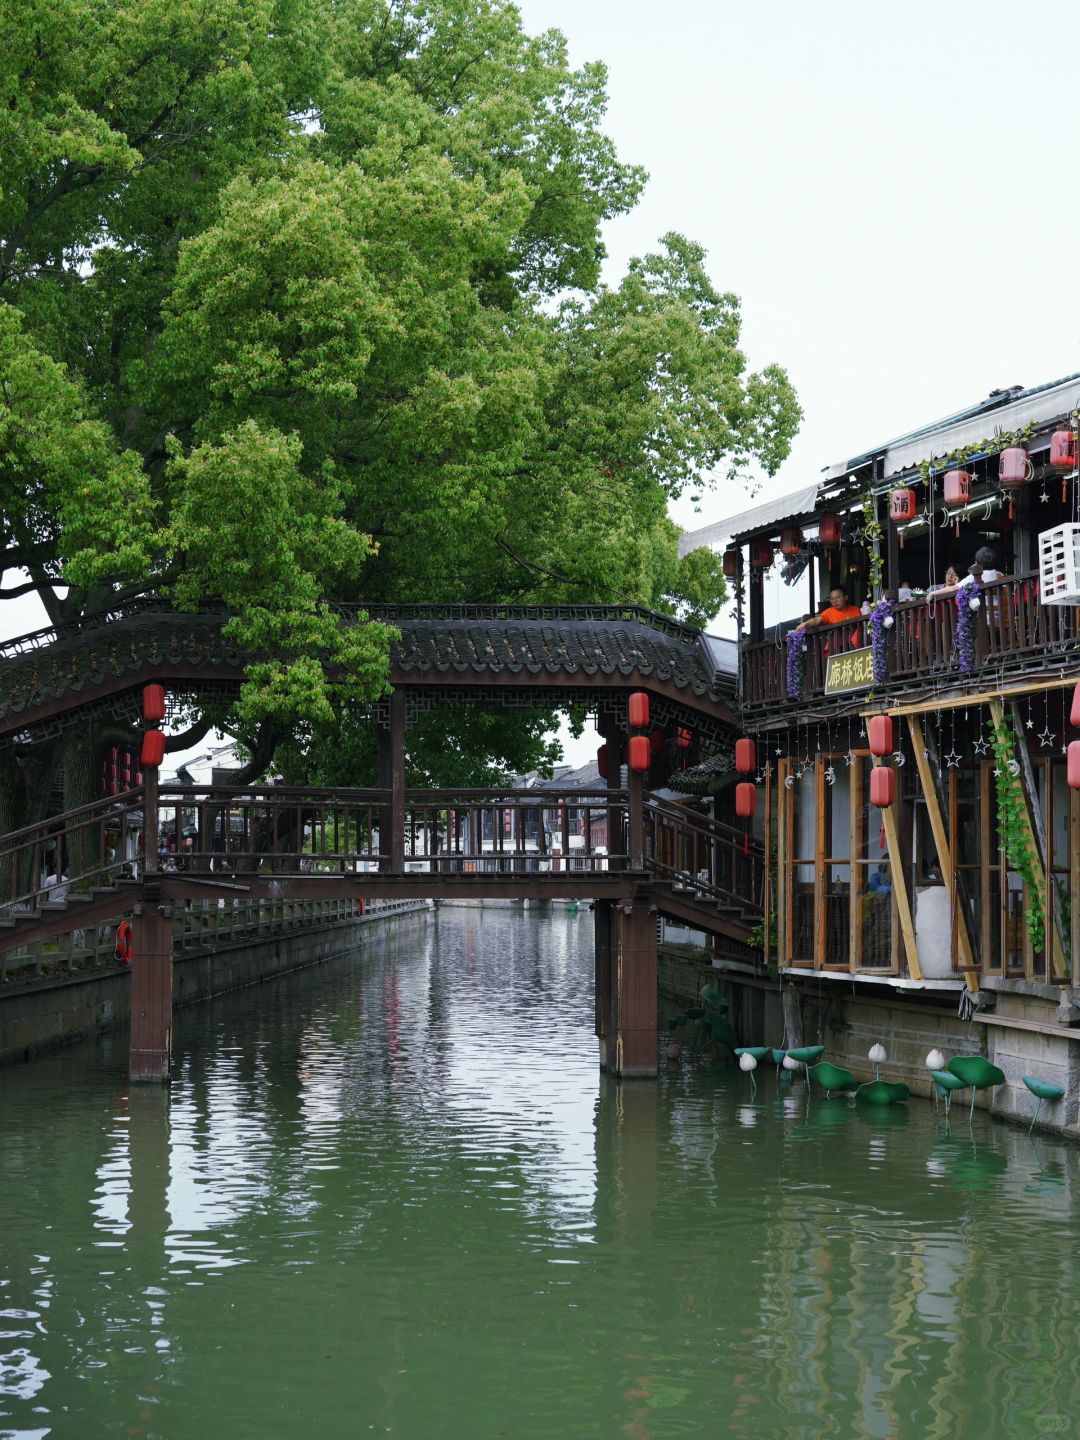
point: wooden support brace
(900, 890)
(150, 1053)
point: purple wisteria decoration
(796, 663)
(881, 622)
(968, 601)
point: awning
(789, 508)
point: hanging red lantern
(683, 737)
(745, 756)
(640, 753)
(746, 800)
(1074, 713)
(657, 741)
(882, 786)
(902, 505)
(731, 562)
(1063, 450)
(829, 528)
(1073, 764)
(639, 710)
(880, 731)
(153, 703)
(601, 761)
(957, 488)
(1014, 467)
(153, 747)
(791, 540)
(761, 554)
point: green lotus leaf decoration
(977, 1071)
(883, 1092)
(1043, 1089)
(949, 1081)
(759, 1052)
(833, 1077)
(778, 1056)
(807, 1053)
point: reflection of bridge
(391, 842)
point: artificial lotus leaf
(759, 1052)
(948, 1081)
(976, 1070)
(833, 1077)
(807, 1053)
(1043, 1089)
(883, 1092)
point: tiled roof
(561, 648)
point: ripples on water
(393, 1196)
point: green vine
(963, 453)
(1015, 831)
(872, 534)
(756, 938)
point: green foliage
(1015, 830)
(300, 303)
(872, 536)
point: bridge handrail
(704, 825)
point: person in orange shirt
(836, 612)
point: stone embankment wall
(217, 949)
(1020, 1030)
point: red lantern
(1074, 713)
(829, 528)
(153, 703)
(640, 753)
(731, 561)
(1014, 467)
(683, 737)
(902, 505)
(791, 540)
(639, 710)
(656, 742)
(1073, 764)
(601, 761)
(745, 756)
(881, 735)
(1063, 450)
(882, 786)
(746, 800)
(761, 554)
(153, 748)
(957, 488)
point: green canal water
(393, 1196)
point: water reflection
(394, 1195)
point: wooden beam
(783, 812)
(900, 890)
(931, 704)
(1031, 801)
(820, 866)
(1074, 881)
(941, 840)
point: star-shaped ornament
(1046, 738)
(952, 760)
(1044, 498)
(850, 757)
(1030, 725)
(981, 746)
(996, 770)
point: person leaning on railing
(836, 612)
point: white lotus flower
(790, 1064)
(747, 1063)
(877, 1053)
(935, 1060)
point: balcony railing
(1011, 628)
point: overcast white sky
(892, 190)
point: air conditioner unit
(1059, 565)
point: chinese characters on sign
(853, 671)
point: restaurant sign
(853, 670)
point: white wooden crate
(1059, 565)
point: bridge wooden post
(605, 939)
(150, 1053)
(635, 993)
(635, 818)
(392, 778)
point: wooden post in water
(635, 993)
(151, 989)
(605, 939)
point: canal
(393, 1196)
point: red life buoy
(123, 942)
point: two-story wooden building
(967, 876)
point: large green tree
(300, 302)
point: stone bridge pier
(625, 937)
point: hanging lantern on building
(602, 761)
(732, 557)
(761, 554)
(1063, 450)
(1073, 764)
(745, 756)
(683, 737)
(657, 741)
(640, 753)
(829, 528)
(880, 731)
(957, 488)
(153, 748)
(153, 702)
(1014, 467)
(746, 799)
(882, 786)
(638, 709)
(791, 540)
(903, 504)
(1074, 713)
